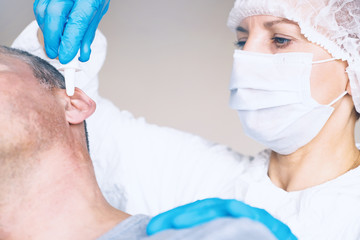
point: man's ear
(79, 107)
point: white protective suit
(143, 168)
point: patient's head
(47, 181)
(42, 70)
(37, 117)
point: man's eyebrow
(272, 23)
(241, 29)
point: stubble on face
(31, 121)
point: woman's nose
(255, 43)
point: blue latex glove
(69, 25)
(206, 210)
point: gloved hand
(69, 25)
(206, 210)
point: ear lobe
(79, 108)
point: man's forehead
(9, 64)
(4, 67)
(5, 63)
(14, 74)
(7, 71)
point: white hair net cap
(332, 24)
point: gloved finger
(39, 9)
(106, 8)
(194, 218)
(85, 49)
(55, 21)
(239, 209)
(79, 19)
(278, 228)
(164, 220)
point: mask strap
(338, 98)
(325, 61)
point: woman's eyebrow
(240, 29)
(272, 23)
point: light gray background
(169, 61)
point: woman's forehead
(266, 21)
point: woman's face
(268, 34)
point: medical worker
(295, 85)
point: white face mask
(271, 93)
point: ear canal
(80, 107)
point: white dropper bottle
(69, 74)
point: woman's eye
(281, 42)
(240, 44)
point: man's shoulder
(133, 227)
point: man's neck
(60, 200)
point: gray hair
(47, 75)
(42, 70)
